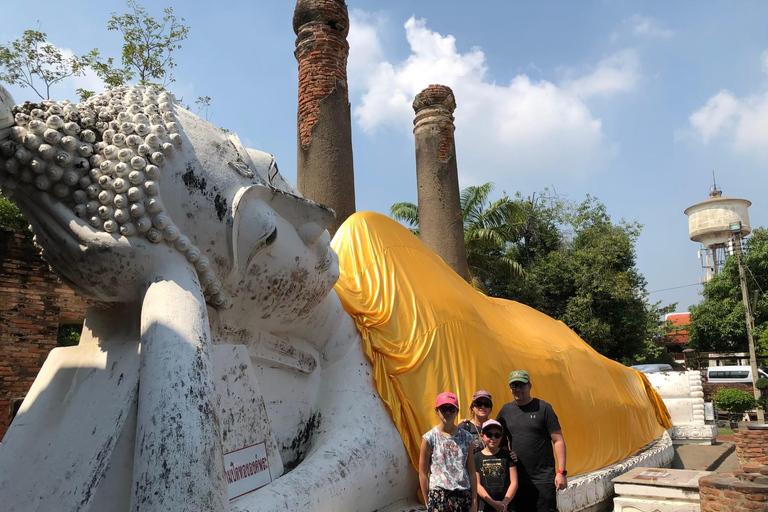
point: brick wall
(751, 446)
(746, 490)
(711, 388)
(33, 302)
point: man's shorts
(536, 498)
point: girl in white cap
(447, 463)
(496, 472)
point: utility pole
(736, 240)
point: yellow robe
(426, 331)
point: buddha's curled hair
(103, 158)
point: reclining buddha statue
(233, 357)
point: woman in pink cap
(447, 463)
(479, 412)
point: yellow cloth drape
(426, 331)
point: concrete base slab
(701, 457)
(658, 490)
(621, 504)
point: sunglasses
(447, 409)
(482, 403)
(492, 435)
(517, 385)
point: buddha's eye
(271, 237)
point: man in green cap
(532, 431)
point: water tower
(716, 223)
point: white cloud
(716, 115)
(364, 45)
(527, 125)
(618, 73)
(646, 26)
(742, 122)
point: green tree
(580, 268)
(11, 217)
(31, 61)
(717, 322)
(735, 401)
(149, 44)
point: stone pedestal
(440, 224)
(658, 490)
(683, 394)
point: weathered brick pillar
(744, 491)
(751, 446)
(324, 168)
(437, 176)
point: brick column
(744, 491)
(751, 446)
(440, 223)
(324, 162)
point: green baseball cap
(519, 376)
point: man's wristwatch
(563, 472)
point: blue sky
(635, 103)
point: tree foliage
(581, 269)
(31, 61)
(148, 43)
(735, 402)
(717, 322)
(11, 217)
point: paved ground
(702, 457)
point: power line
(677, 287)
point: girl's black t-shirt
(494, 475)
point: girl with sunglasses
(479, 413)
(447, 463)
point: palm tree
(489, 228)
(407, 213)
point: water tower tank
(709, 222)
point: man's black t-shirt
(529, 428)
(494, 475)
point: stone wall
(33, 302)
(745, 490)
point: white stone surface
(662, 490)
(243, 416)
(74, 427)
(683, 394)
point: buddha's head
(119, 185)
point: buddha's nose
(311, 232)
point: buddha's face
(285, 266)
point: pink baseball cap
(447, 398)
(492, 423)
